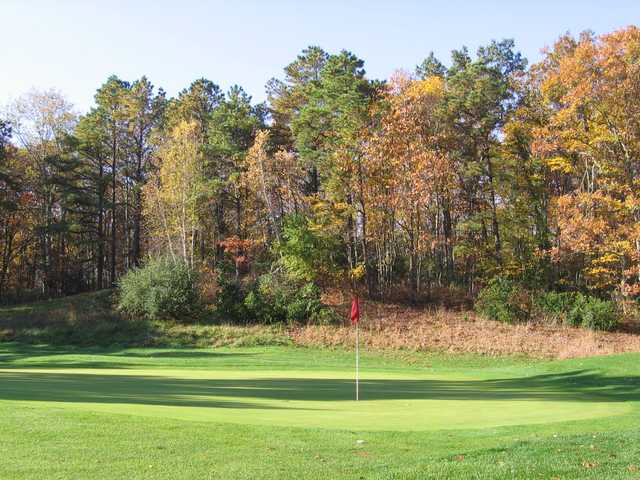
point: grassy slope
(89, 319)
(90, 414)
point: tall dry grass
(386, 327)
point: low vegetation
(167, 288)
(274, 298)
(506, 301)
(162, 289)
(91, 320)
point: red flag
(355, 311)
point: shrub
(306, 306)
(162, 289)
(276, 299)
(504, 300)
(579, 310)
(556, 305)
(229, 300)
(593, 313)
(573, 314)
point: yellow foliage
(607, 258)
(430, 86)
(357, 273)
(175, 194)
(560, 164)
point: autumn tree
(232, 129)
(274, 182)
(40, 122)
(589, 142)
(444, 178)
(410, 184)
(176, 193)
(14, 229)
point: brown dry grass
(386, 327)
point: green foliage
(307, 253)
(277, 299)
(430, 67)
(593, 313)
(555, 304)
(274, 298)
(334, 102)
(504, 300)
(229, 301)
(5, 137)
(578, 310)
(162, 289)
(233, 125)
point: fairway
(298, 390)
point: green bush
(573, 314)
(304, 304)
(161, 289)
(504, 300)
(277, 299)
(229, 300)
(579, 310)
(556, 305)
(593, 313)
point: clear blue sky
(75, 45)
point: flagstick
(357, 362)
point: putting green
(391, 400)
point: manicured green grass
(285, 412)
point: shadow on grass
(180, 354)
(579, 385)
(11, 356)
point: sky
(74, 45)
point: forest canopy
(466, 170)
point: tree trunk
(100, 259)
(114, 149)
(494, 213)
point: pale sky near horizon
(74, 45)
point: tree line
(442, 178)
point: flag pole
(355, 320)
(357, 363)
